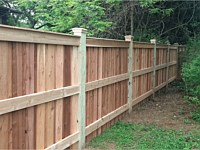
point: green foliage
(193, 49)
(146, 36)
(173, 21)
(196, 115)
(149, 3)
(156, 9)
(63, 15)
(133, 136)
(191, 74)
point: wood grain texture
(36, 36)
(5, 92)
(73, 138)
(100, 96)
(98, 42)
(17, 103)
(40, 109)
(130, 70)
(59, 77)
(74, 99)
(49, 84)
(40, 84)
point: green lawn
(134, 136)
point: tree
(7, 14)
(62, 15)
(174, 21)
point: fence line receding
(43, 89)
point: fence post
(167, 73)
(177, 61)
(130, 71)
(153, 41)
(82, 80)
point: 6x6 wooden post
(82, 80)
(153, 41)
(167, 73)
(130, 71)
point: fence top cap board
(18, 34)
(34, 30)
(101, 42)
(150, 45)
(105, 39)
(137, 42)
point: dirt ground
(167, 110)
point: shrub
(191, 76)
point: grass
(134, 136)
(196, 115)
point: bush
(191, 76)
(196, 115)
(192, 51)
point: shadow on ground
(167, 110)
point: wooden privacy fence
(57, 90)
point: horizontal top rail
(171, 47)
(142, 45)
(149, 45)
(181, 46)
(16, 34)
(100, 42)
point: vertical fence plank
(74, 99)
(19, 116)
(30, 88)
(114, 85)
(104, 89)
(40, 86)
(95, 105)
(100, 75)
(109, 86)
(167, 73)
(50, 84)
(59, 75)
(88, 97)
(176, 59)
(122, 83)
(66, 82)
(117, 90)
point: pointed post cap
(79, 31)
(129, 37)
(153, 41)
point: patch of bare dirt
(167, 110)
